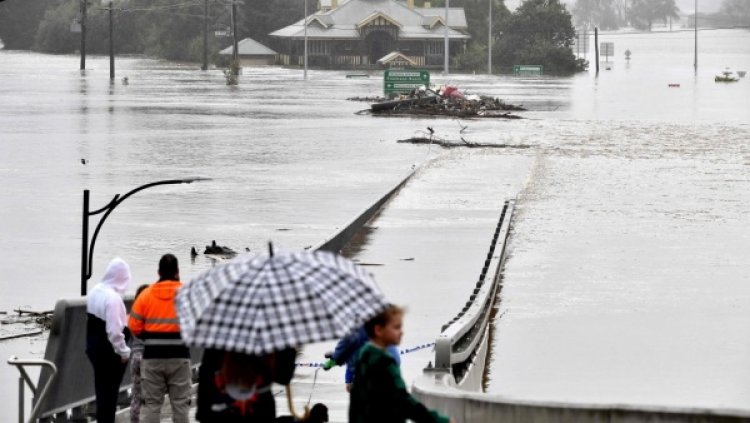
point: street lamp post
(446, 42)
(305, 58)
(111, 44)
(87, 249)
(489, 42)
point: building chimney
(334, 4)
(410, 4)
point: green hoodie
(379, 393)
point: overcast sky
(686, 6)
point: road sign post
(404, 81)
(528, 70)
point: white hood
(105, 302)
(117, 275)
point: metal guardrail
(20, 363)
(460, 338)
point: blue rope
(401, 352)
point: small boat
(673, 85)
(726, 76)
(357, 75)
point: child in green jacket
(379, 393)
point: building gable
(379, 19)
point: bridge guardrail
(460, 339)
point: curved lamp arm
(87, 250)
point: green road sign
(528, 69)
(404, 81)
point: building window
(318, 47)
(434, 48)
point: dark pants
(108, 371)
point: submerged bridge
(452, 380)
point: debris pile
(39, 321)
(447, 101)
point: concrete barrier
(461, 397)
(439, 392)
(460, 348)
(337, 242)
(73, 387)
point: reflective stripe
(163, 342)
(157, 320)
(136, 316)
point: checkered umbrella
(257, 304)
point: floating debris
(448, 101)
(458, 143)
(219, 250)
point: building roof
(344, 21)
(249, 47)
(396, 56)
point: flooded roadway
(626, 281)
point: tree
(475, 56)
(539, 32)
(736, 11)
(19, 21)
(643, 13)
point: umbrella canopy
(258, 304)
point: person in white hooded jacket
(106, 337)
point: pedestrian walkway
(426, 250)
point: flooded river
(626, 280)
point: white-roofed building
(357, 33)
(251, 53)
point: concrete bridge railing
(454, 385)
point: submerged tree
(605, 14)
(474, 58)
(539, 32)
(643, 13)
(736, 11)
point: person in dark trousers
(379, 393)
(165, 368)
(107, 336)
(136, 357)
(236, 388)
(346, 352)
(318, 414)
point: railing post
(21, 399)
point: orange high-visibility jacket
(153, 318)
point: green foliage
(474, 59)
(539, 32)
(605, 14)
(20, 19)
(53, 34)
(643, 13)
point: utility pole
(596, 48)
(695, 54)
(111, 45)
(83, 34)
(205, 35)
(305, 52)
(446, 47)
(235, 52)
(489, 42)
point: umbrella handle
(304, 415)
